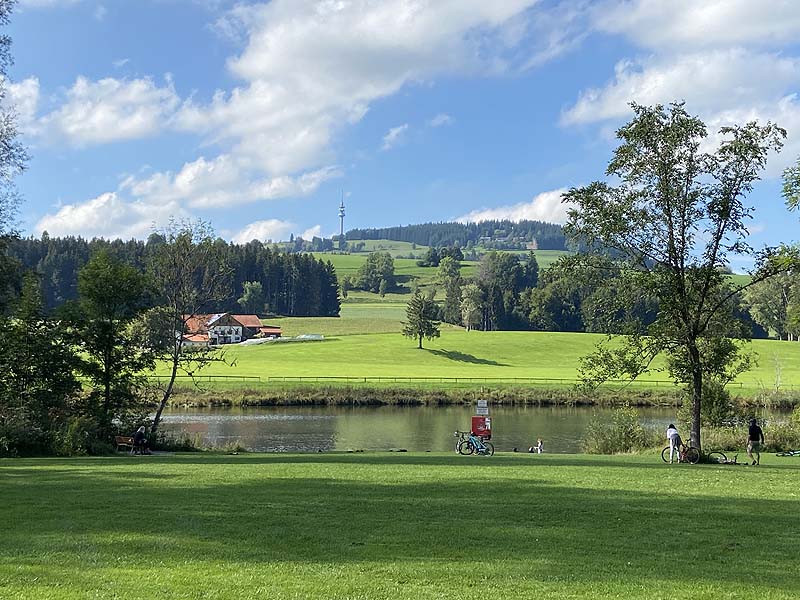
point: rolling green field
(490, 355)
(348, 264)
(397, 526)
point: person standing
(755, 437)
(674, 439)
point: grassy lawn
(456, 354)
(356, 318)
(397, 526)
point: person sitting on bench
(139, 442)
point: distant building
(225, 328)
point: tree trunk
(697, 392)
(167, 394)
(420, 342)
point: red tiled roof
(250, 321)
(269, 329)
(196, 323)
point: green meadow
(407, 269)
(397, 526)
(365, 343)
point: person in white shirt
(675, 442)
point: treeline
(573, 295)
(500, 235)
(292, 284)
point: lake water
(424, 428)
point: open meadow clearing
(397, 526)
(492, 355)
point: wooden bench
(122, 442)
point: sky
(259, 117)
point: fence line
(455, 380)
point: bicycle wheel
(465, 448)
(665, 454)
(489, 448)
(692, 455)
(717, 457)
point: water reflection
(312, 429)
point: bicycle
(789, 453)
(473, 444)
(687, 454)
(718, 457)
(461, 436)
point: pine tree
(421, 314)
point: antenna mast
(341, 223)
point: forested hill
(490, 234)
(292, 284)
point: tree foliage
(13, 158)
(39, 386)
(497, 234)
(252, 300)
(293, 284)
(111, 295)
(378, 267)
(421, 318)
(773, 301)
(675, 218)
(189, 271)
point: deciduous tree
(111, 296)
(190, 275)
(252, 300)
(675, 216)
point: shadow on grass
(274, 509)
(463, 357)
(501, 460)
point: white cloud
(394, 136)
(100, 12)
(24, 98)
(111, 110)
(441, 120)
(724, 87)
(311, 68)
(110, 216)
(270, 229)
(312, 232)
(223, 181)
(707, 81)
(47, 3)
(685, 24)
(119, 63)
(546, 206)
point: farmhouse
(225, 328)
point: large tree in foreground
(675, 217)
(13, 158)
(191, 276)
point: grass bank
(397, 526)
(299, 394)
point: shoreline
(342, 395)
(406, 396)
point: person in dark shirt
(755, 437)
(140, 442)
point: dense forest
(292, 284)
(499, 235)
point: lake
(416, 429)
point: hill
(499, 235)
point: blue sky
(257, 116)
